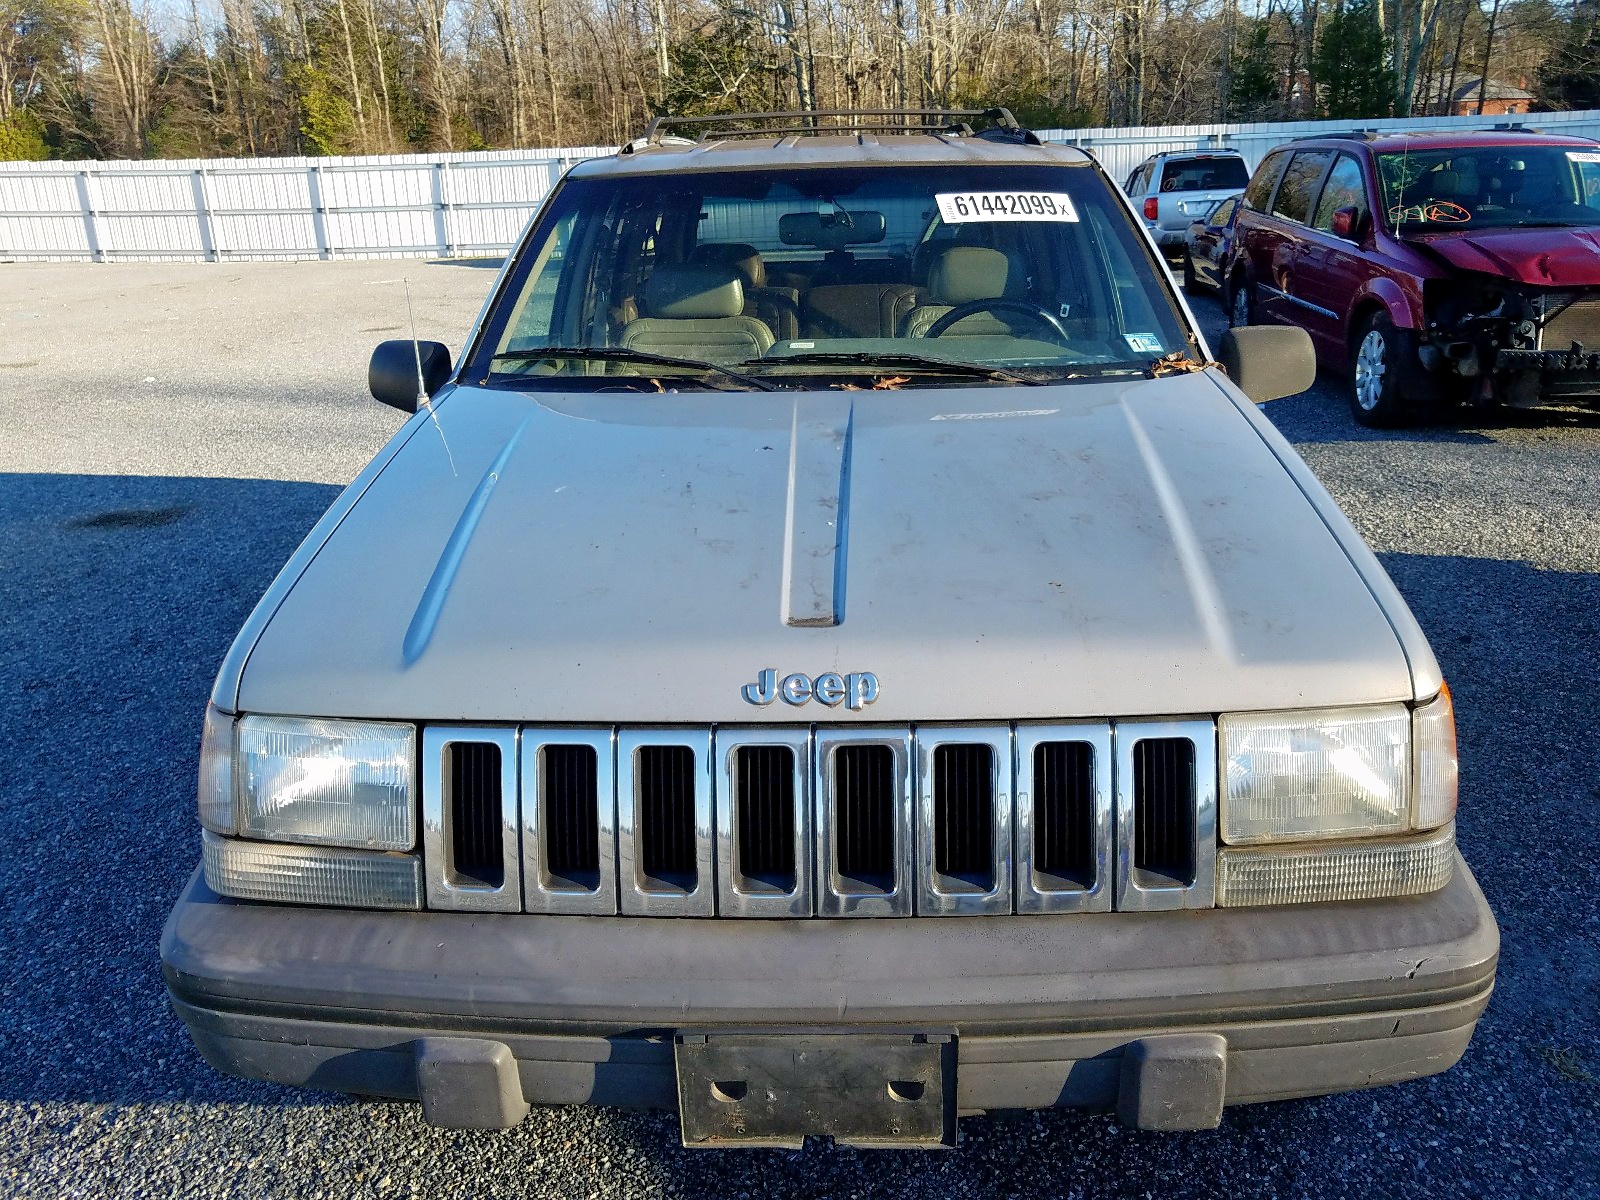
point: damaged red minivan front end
(1432, 267)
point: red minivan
(1431, 268)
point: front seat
(775, 307)
(960, 275)
(696, 311)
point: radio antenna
(424, 401)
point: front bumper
(478, 1015)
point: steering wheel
(1024, 308)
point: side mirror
(392, 373)
(1268, 362)
(1349, 223)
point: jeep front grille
(759, 821)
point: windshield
(1491, 187)
(915, 276)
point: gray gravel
(171, 432)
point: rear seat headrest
(687, 292)
(965, 273)
(743, 258)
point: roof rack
(1344, 135)
(957, 121)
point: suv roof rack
(957, 121)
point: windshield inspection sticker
(1143, 343)
(1588, 156)
(957, 208)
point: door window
(1293, 201)
(1344, 189)
(1264, 180)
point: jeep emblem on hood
(854, 691)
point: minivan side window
(1343, 190)
(1264, 180)
(1293, 201)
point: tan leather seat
(856, 310)
(775, 307)
(694, 311)
(960, 275)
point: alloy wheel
(1371, 368)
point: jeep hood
(1093, 549)
(1541, 257)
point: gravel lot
(170, 434)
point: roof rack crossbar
(954, 120)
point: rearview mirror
(1269, 362)
(392, 373)
(1348, 223)
(831, 230)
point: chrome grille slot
(764, 822)
(1064, 818)
(665, 795)
(763, 790)
(1163, 809)
(567, 784)
(864, 815)
(963, 815)
(1063, 813)
(1166, 814)
(665, 822)
(568, 821)
(469, 818)
(864, 822)
(473, 797)
(964, 812)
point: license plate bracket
(877, 1089)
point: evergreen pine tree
(1253, 90)
(1351, 63)
(1571, 79)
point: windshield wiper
(898, 362)
(643, 358)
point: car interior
(668, 276)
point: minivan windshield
(912, 275)
(1491, 187)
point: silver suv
(837, 653)
(1173, 190)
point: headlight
(1329, 773)
(338, 783)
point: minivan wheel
(1240, 309)
(1375, 374)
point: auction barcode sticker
(959, 207)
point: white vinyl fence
(443, 205)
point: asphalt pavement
(169, 433)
